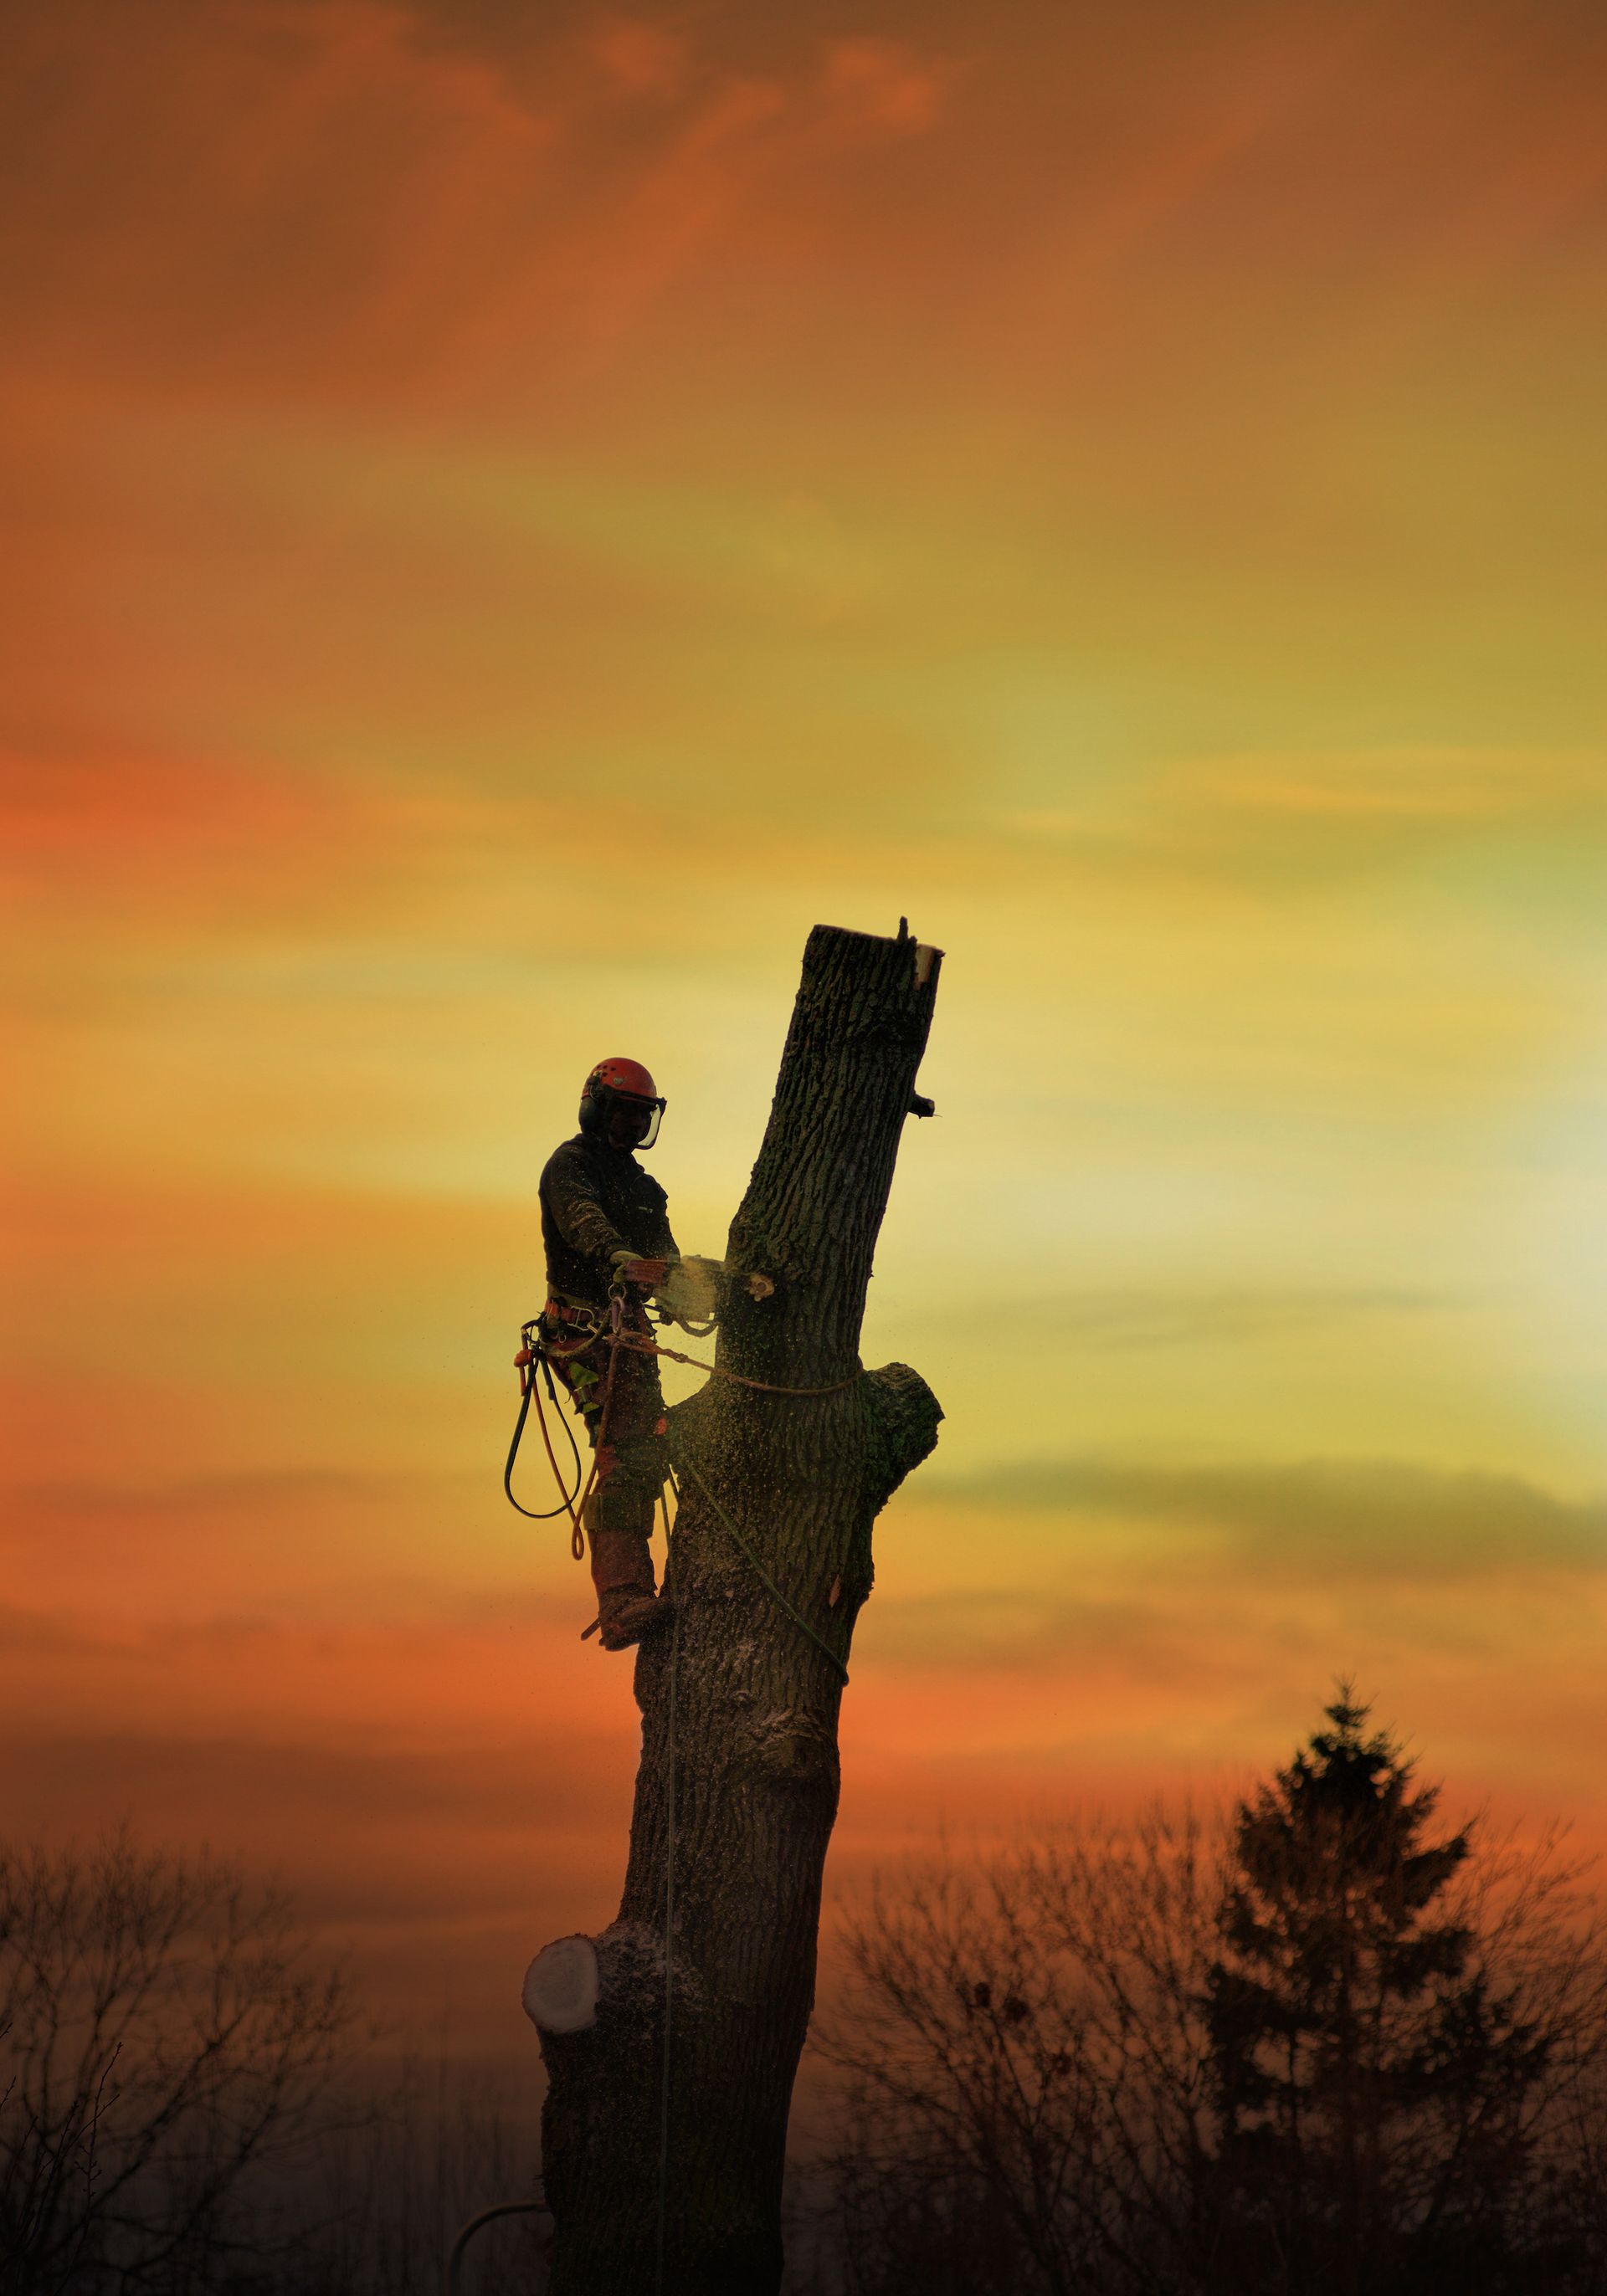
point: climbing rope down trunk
(672, 2037)
(621, 1462)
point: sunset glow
(518, 513)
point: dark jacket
(597, 1201)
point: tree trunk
(736, 1791)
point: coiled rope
(527, 1388)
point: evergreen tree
(1370, 2079)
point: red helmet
(621, 1103)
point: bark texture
(749, 1699)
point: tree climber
(606, 1227)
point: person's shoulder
(566, 1157)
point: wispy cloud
(1400, 785)
(256, 1489)
(1032, 1633)
(1289, 817)
(475, 201)
(1167, 1316)
(493, 1783)
(1324, 1518)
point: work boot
(628, 1618)
(629, 1606)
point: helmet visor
(632, 1122)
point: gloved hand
(690, 1291)
(632, 1270)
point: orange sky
(518, 513)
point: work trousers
(632, 1459)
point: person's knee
(622, 1505)
(630, 1478)
(638, 1465)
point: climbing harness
(537, 1352)
(534, 1352)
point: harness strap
(538, 1350)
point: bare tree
(167, 2035)
(1023, 2051)
(1540, 1950)
(1030, 2099)
(672, 2042)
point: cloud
(488, 1784)
(883, 85)
(1173, 1317)
(1400, 785)
(642, 59)
(255, 1489)
(332, 195)
(36, 1633)
(1294, 816)
(1388, 1520)
(1026, 1633)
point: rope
(663, 2093)
(487, 2215)
(539, 1354)
(527, 1388)
(577, 1538)
(616, 1338)
(765, 1387)
(577, 1544)
(782, 1604)
(762, 1574)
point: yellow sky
(519, 519)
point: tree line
(1320, 2045)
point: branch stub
(561, 1985)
